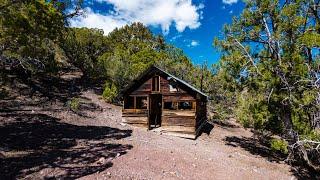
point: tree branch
(247, 54)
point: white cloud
(174, 38)
(96, 20)
(201, 6)
(164, 13)
(230, 12)
(229, 1)
(194, 43)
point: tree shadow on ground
(261, 147)
(210, 124)
(43, 88)
(256, 146)
(49, 92)
(225, 124)
(34, 142)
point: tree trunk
(315, 121)
(288, 125)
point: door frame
(151, 110)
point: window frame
(177, 104)
(135, 102)
(157, 88)
(142, 98)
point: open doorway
(155, 110)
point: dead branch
(247, 54)
(301, 148)
(270, 95)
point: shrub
(74, 104)
(279, 145)
(110, 92)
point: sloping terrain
(43, 138)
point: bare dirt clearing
(62, 144)
(44, 139)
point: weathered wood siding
(175, 121)
(144, 89)
(176, 97)
(179, 121)
(168, 96)
(137, 117)
(201, 113)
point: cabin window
(156, 83)
(129, 102)
(136, 102)
(167, 105)
(141, 102)
(185, 105)
(171, 105)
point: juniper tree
(271, 51)
(30, 30)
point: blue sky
(188, 24)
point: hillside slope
(43, 137)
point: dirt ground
(214, 156)
(46, 140)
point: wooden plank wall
(177, 97)
(138, 117)
(165, 89)
(144, 89)
(168, 96)
(201, 114)
(178, 121)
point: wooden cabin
(160, 100)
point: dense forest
(267, 78)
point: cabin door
(155, 110)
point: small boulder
(102, 160)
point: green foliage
(252, 111)
(312, 135)
(133, 48)
(35, 37)
(270, 56)
(310, 39)
(130, 51)
(83, 47)
(270, 62)
(222, 92)
(29, 30)
(110, 92)
(74, 104)
(279, 145)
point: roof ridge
(182, 81)
(151, 67)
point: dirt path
(39, 142)
(157, 156)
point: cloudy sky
(188, 24)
